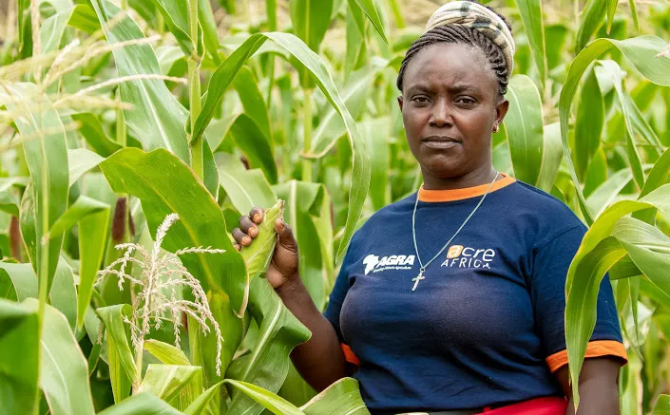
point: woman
(451, 301)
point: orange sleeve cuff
(596, 348)
(349, 355)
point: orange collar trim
(465, 193)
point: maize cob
(259, 254)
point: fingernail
(282, 225)
(246, 240)
(257, 217)
(253, 231)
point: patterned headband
(469, 14)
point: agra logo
(370, 261)
(397, 262)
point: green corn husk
(259, 254)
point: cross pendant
(417, 279)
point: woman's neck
(474, 178)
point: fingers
(248, 226)
(286, 238)
(242, 238)
(257, 214)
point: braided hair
(467, 36)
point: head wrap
(469, 14)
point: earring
(495, 130)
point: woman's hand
(283, 269)
(320, 360)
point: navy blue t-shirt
(486, 325)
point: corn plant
(118, 114)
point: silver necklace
(422, 270)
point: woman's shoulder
(548, 215)
(540, 201)
(387, 215)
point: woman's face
(450, 107)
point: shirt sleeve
(547, 287)
(334, 308)
(337, 296)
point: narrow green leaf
(589, 123)
(581, 300)
(651, 263)
(175, 15)
(295, 389)
(377, 133)
(118, 347)
(624, 100)
(640, 122)
(659, 174)
(640, 52)
(532, 18)
(611, 9)
(48, 166)
(209, 29)
(218, 131)
(356, 92)
(19, 358)
(252, 99)
(166, 381)
(596, 173)
(164, 185)
(525, 131)
(83, 207)
(356, 42)
(22, 277)
(142, 404)
(633, 11)
(275, 404)
(311, 19)
(247, 189)
(591, 20)
(607, 192)
(267, 365)
(157, 118)
(64, 370)
(603, 245)
(555, 36)
(255, 145)
(224, 75)
(91, 129)
(662, 406)
(27, 224)
(92, 232)
(9, 203)
(203, 347)
(80, 161)
(80, 16)
(166, 353)
(552, 155)
(63, 294)
(373, 12)
(340, 398)
(199, 405)
(357, 18)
